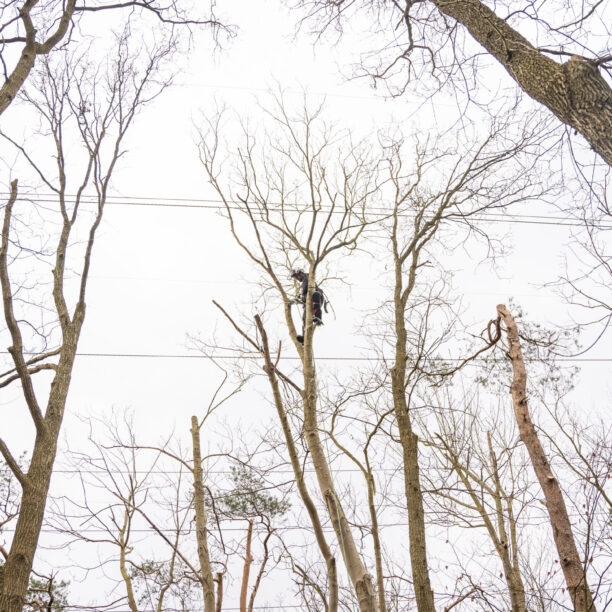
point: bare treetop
(32, 28)
(544, 48)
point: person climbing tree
(317, 300)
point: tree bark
(505, 547)
(34, 497)
(123, 546)
(31, 49)
(380, 581)
(574, 91)
(332, 572)
(573, 570)
(246, 569)
(35, 484)
(359, 576)
(208, 586)
(219, 581)
(414, 496)
(408, 439)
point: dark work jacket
(304, 288)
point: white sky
(156, 269)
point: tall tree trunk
(332, 572)
(208, 586)
(574, 91)
(573, 570)
(359, 576)
(246, 569)
(410, 447)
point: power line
(324, 358)
(217, 204)
(68, 531)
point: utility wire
(217, 204)
(328, 358)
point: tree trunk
(414, 496)
(359, 576)
(380, 582)
(262, 569)
(409, 441)
(208, 586)
(31, 49)
(246, 569)
(34, 497)
(574, 91)
(562, 530)
(332, 572)
(506, 548)
(123, 546)
(219, 581)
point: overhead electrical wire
(217, 204)
(328, 358)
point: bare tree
(119, 492)
(478, 479)
(420, 213)
(426, 35)
(302, 197)
(31, 28)
(70, 95)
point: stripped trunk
(208, 586)
(573, 570)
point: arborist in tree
(318, 300)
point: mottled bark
(208, 586)
(571, 565)
(574, 91)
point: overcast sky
(164, 253)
